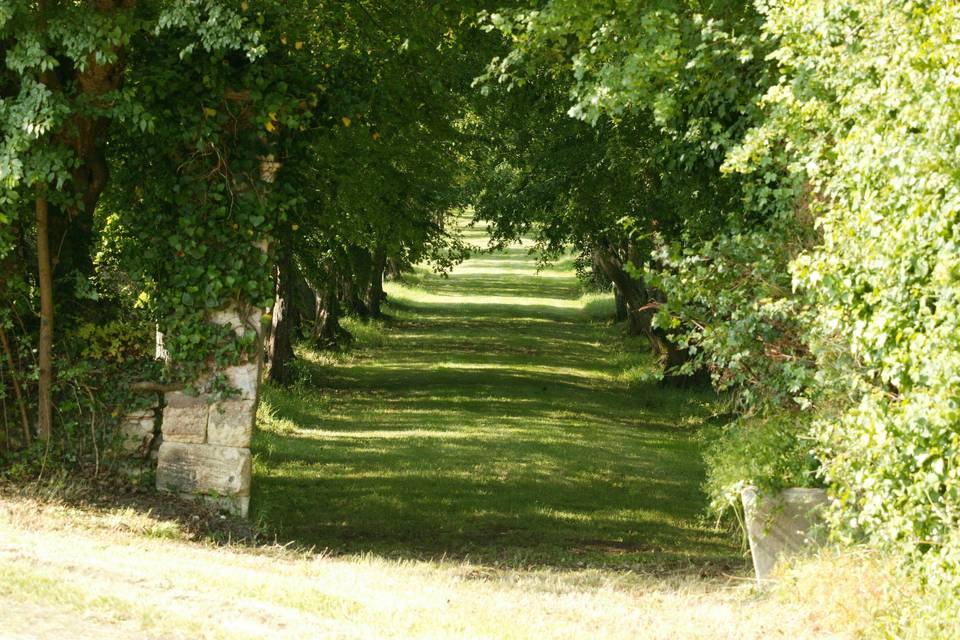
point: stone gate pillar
(206, 439)
(205, 449)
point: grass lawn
(492, 418)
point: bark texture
(279, 346)
(375, 294)
(327, 331)
(640, 305)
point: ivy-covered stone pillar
(206, 437)
(207, 427)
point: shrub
(868, 105)
(770, 452)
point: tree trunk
(641, 307)
(45, 344)
(354, 301)
(85, 136)
(393, 270)
(375, 294)
(280, 344)
(327, 332)
(18, 395)
(633, 295)
(72, 228)
(356, 282)
(621, 305)
(598, 276)
(304, 303)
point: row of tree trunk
(637, 304)
(358, 290)
(313, 309)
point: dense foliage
(820, 292)
(868, 108)
(64, 94)
(164, 161)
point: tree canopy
(768, 187)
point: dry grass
(850, 590)
(65, 572)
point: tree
(645, 173)
(61, 92)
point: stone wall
(206, 439)
(138, 430)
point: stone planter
(780, 525)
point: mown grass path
(490, 419)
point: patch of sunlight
(369, 333)
(351, 471)
(165, 529)
(422, 296)
(593, 374)
(487, 427)
(646, 515)
(43, 581)
(638, 374)
(76, 582)
(268, 418)
(598, 306)
(325, 358)
(518, 321)
(398, 434)
(454, 398)
(492, 267)
(521, 265)
(557, 514)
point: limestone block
(226, 317)
(232, 317)
(245, 377)
(203, 468)
(780, 525)
(205, 441)
(185, 418)
(231, 423)
(136, 432)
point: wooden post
(45, 345)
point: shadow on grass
(489, 429)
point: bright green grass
(489, 420)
